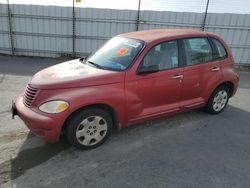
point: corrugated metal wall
(47, 30)
(4, 30)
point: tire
(89, 128)
(218, 100)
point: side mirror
(148, 69)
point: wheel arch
(228, 84)
(230, 87)
(108, 108)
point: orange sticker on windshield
(122, 51)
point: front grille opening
(29, 95)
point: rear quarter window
(221, 51)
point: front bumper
(45, 126)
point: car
(134, 77)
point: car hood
(74, 74)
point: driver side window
(163, 56)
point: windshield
(117, 54)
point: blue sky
(218, 6)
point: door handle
(177, 76)
(215, 69)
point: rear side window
(197, 51)
(221, 52)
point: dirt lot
(191, 149)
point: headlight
(54, 107)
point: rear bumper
(236, 83)
(235, 89)
(47, 127)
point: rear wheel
(218, 100)
(89, 128)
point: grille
(29, 95)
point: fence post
(205, 17)
(73, 29)
(10, 28)
(138, 16)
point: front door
(156, 88)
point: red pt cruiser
(134, 77)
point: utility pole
(205, 17)
(10, 28)
(73, 29)
(138, 16)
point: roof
(154, 34)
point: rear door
(201, 71)
(156, 91)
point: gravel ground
(191, 149)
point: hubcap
(91, 130)
(220, 100)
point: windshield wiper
(95, 64)
(83, 59)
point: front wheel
(89, 128)
(218, 100)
